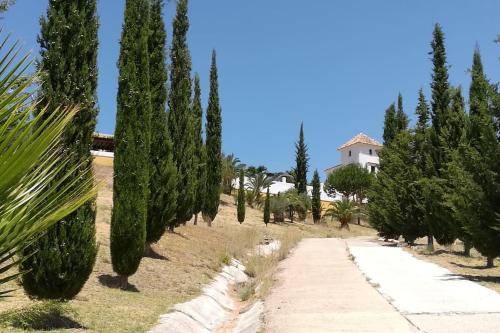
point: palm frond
(37, 187)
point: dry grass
(192, 255)
(452, 258)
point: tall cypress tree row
(267, 208)
(316, 198)
(241, 197)
(180, 119)
(63, 258)
(199, 149)
(213, 147)
(163, 173)
(390, 124)
(482, 164)
(301, 162)
(132, 144)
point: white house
(362, 150)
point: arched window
(371, 152)
(350, 153)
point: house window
(371, 152)
(372, 168)
(350, 153)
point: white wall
(360, 153)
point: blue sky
(336, 65)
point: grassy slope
(194, 254)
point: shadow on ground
(111, 281)
(44, 316)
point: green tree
(343, 211)
(483, 166)
(241, 197)
(163, 174)
(37, 187)
(390, 124)
(350, 180)
(5, 4)
(213, 144)
(65, 254)
(316, 198)
(267, 208)
(301, 163)
(180, 118)
(132, 144)
(199, 149)
(391, 199)
(401, 117)
(440, 96)
(424, 165)
(230, 166)
(442, 227)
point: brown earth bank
(185, 261)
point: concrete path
(431, 297)
(321, 290)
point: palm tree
(34, 191)
(343, 211)
(230, 167)
(257, 183)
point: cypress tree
(390, 124)
(267, 208)
(199, 149)
(213, 147)
(401, 117)
(483, 166)
(301, 163)
(424, 165)
(63, 257)
(440, 96)
(180, 119)
(241, 197)
(443, 227)
(132, 143)
(316, 198)
(162, 178)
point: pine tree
(483, 166)
(301, 163)
(316, 198)
(199, 149)
(60, 261)
(241, 197)
(180, 119)
(132, 144)
(267, 208)
(213, 147)
(390, 124)
(401, 117)
(162, 178)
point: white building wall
(360, 154)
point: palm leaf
(37, 187)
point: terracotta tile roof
(361, 138)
